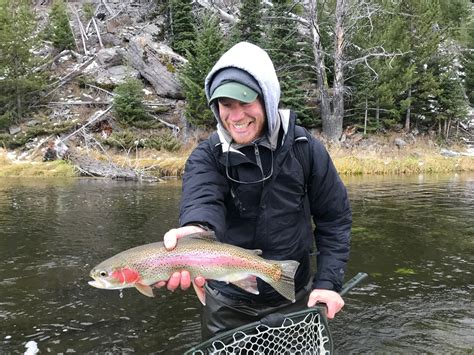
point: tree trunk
(338, 85)
(366, 115)
(408, 113)
(318, 54)
(377, 113)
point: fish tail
(285, 285)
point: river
(413, 235)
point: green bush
(165, 141)
(59, 29)
(124, 140)
(128, 103)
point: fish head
(113, 277)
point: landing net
(304, 332)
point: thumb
(170, 239)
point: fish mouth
(104, 284)
(97, 284)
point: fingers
(171, 237)
(332, 299)
(182, 280)
(199, 281)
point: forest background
(387, 85)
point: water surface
(413, 235)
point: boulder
(157, 63)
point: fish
(202, 255)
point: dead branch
(61, 81)
(100, 89)
(108, 8)
(219, 12)
(65, 103)
(98, 32)
(82, 31)
(91, 120)
(175, 128)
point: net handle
(349, 285)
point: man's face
(244, 121)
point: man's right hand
(180, 278)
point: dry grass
(59, 168)
(384, 158)
(376, 159)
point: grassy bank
(356, 161)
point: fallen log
(89, 166)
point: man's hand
(332, 299)
(181, 278)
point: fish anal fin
(200, 293)
(145, 289)
(248, 284)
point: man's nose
(236, 113)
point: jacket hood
(256, 62)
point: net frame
(311, 317)
(302, 332)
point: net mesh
(304, 333)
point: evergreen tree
(453, 104)
(376, 83)
(467, 40)
(128, 103)
(19, 83)
(249, 27)
(290, 61)
(59, 29)
(207, 49)
(181, 25)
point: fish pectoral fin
(200, 293)
(145, 289)
(248, 284)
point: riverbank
(377, 156)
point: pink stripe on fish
(201, 260)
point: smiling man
(256, 183)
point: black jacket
(273, 215)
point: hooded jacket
(273, 215)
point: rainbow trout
(202, 255)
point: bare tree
(347, 17)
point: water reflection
(414, 236)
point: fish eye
(103, 273)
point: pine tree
(468, 58)
(288, 56)
(181, 23)
(207, 49)
(19, 83)
(376, 85)
(249, 27)
(128, 103)
(59, 29)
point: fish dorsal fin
(256, 251)
(207, 235)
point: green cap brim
(236, 91)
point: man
(248, 185)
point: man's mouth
(241, 125)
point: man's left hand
(332, 299)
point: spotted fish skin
(202, 255)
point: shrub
(128, 103)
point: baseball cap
(236, 91)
